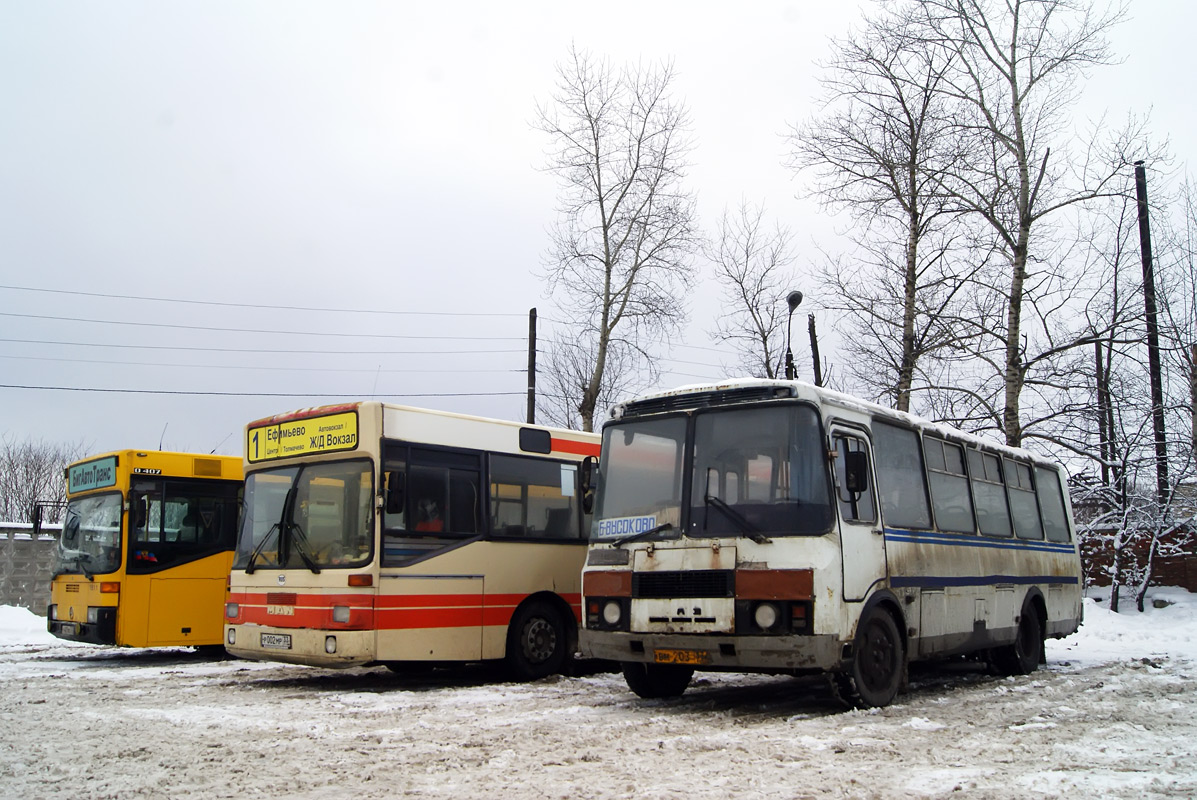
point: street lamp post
(793, 299)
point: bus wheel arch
(1024, 655)
(876, 671)
(541, 637)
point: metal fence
(26, 565)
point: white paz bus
(773, 526)
(375, 533)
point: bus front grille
(688, 583)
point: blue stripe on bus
(931, 582)
(972, 540)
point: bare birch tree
(752, 264)
(878, 149)
(622, 247)
(1015, 67)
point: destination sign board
(299, 437)
(97, 474)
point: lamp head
(793, 299)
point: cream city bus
(375, 533)
(146, 545)
(773, 526)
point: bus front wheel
(536, 642)
(652, 681)
(878, 663)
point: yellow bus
(377, 533)
(145, 550)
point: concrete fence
(26, 565)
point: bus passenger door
(862, 544)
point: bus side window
(444, 491)
(989, 493)
(901, 484)
(949, 487)
(533, 498)
(1051, 505)
(1023, 507)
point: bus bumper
(314, 648)
(790, 653)
(102, 631)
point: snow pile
(20, 626)
(1167, 627)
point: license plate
(277, 641)
(68, 629)
(690, 657)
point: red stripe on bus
(392, 612)
(577, 448)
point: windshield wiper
(300, 541)
(77, 559)
(746, 527)
(249, 567)
(664, 526)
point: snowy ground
(1113, 715)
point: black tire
(652, 681)
(878, 663)
(1023, 656)
(536, 642)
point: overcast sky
(367, 156)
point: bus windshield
(759, 471)
(756, 471)
(313, 516)
(640, 487)
(91, 535)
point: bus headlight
(53, 612)
(330, 644)
(231, 610)
(765, 616)
(232, 637)
(612, 612)
(340, 614)
(93, 615)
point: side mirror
(396, 498)
(588, 478)
(137, 506)
(856, 471)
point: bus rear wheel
(878, 664)
(652, 681)
(1022, 657)
(536, 642)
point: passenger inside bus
(429, 516)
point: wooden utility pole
(1153, 337)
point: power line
(267, 350)
(250, 394)
(471, 370)
(256, 305)
(258, 330)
